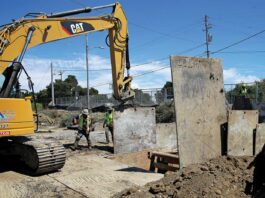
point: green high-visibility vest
(82, 125)
(108, 118)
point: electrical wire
(152, 71)
(82, 70)
(165, 58)
(161, 33)
(242, 52)
(136, 76)
(238, 42)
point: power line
(242, 52)
(161, 33)
(238, 42)
(152, 71)
(165, 58)
(105, 69)
(136, 76)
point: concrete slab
(260, 137)
(134, 130)
(82, 176)
(241, 124)
(166, 135)
(95, 176)
(200, 107)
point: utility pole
(87, 73)
(208, 36)
(53, 103)
(87, 69)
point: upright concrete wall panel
(260, 137)
(200, 107)
(241, 124)
(134, 130)
(166, 136)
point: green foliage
(165, 112)
(71, 80)
(93, 91)
(254, 91)
(66, 88)
(38, 105)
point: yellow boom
(47, 28)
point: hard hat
(109, 109)
(85, 111)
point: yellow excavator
(17, 122)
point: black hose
(33, 96)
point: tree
(71, 80)
(66, 88)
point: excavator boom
(47, 28)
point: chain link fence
(255, 92)
(143, 97)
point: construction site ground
(220, 177)
(87, 173)
(99, 173)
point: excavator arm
(23, 34)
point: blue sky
(157, 29)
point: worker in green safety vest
(84, 125)
(243, 90)
(108, 124)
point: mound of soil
(220, 177)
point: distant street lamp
(87, 68)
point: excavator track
(44, 157)
(40, 156)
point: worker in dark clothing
(108, 124)
(84, 124)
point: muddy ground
(221, 177)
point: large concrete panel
(260, 137)
(241, 124)
(200, 107)
(134, 130)
(166, 135)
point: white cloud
(39, 71)
(232, 75)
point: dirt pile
(165, 112)
(221, 177)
